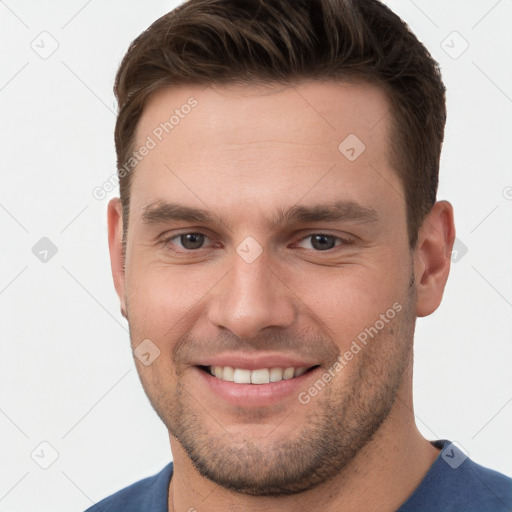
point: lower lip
(255, 395)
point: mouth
(262, 382)
(257, 376)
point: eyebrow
(163, 211)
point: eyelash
(343, 241)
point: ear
(115, 245)
(432, 257)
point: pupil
(192, 240)
(323, 242)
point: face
(257, 244)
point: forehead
(234, 145)
(306, 113)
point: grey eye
(322, 242)
(192, 240)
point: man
(276, 237)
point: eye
(322, 242)
(187, 241)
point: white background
(66, 372)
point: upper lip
(254, 362)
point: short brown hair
(282, 41)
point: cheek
(162, 299)
(347, 300)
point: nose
(250, 298)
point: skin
(243, 154)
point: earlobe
(115, 244)
(432, 257)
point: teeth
(276, 374)
(228, 374)
(288, 373)
(300, 371)
(259, 376)
(241, 376)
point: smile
(256, 376)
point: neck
(381, 477)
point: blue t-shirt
(454, 483)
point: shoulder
(148, 494)
(455, 483)
(488, 487)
